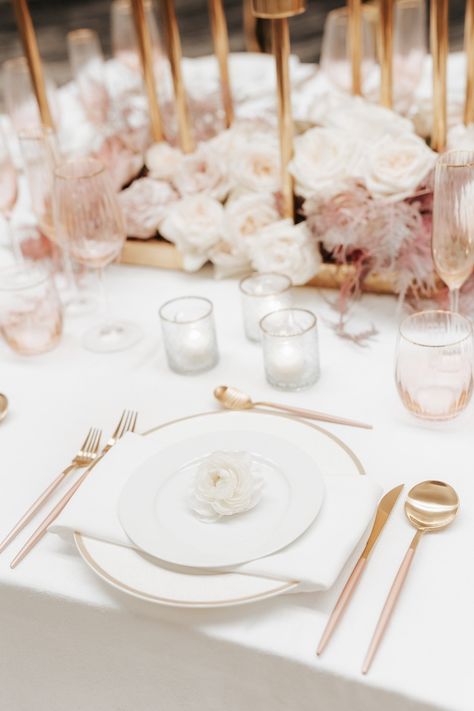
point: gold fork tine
(127, 421)
(134, 423)
(83, 458)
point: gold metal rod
(354, 8)
(146, 58)
(250, 28)
(386, 52)
(469, 50)
(439, 53)
(30, 48)
(220, 37)
(281, 50)
(174, 54)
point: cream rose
(367, 121)
(202, 172)
(194, 224)
(323, 159)
(255, 163)
(226, 483)
(163, 161)
(395, 166)
(287, 249)
(144, 206)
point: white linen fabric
(70, 642)
(315, 559)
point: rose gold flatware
(84, 457)
(384, 510)
(234, 399)
(127, 423)
(3, 406)
(430, 506)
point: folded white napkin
(315, 559)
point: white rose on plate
(162, 160)
(323, 159)
(194, 224)
(285, 248)
(202, 172)
(226, 483)
(395, 166)
(144, 206)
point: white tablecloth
(71, 643)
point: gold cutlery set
(87, 457)
(430, 506)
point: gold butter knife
(384, 510)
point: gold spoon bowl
(3, 406)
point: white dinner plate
(155, 506)
(136, 574)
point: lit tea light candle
(290, 348)
(262, 294)
(189, 334)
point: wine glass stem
(454, 300)
(104, 298)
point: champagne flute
(20, 100)
(88, 218)
(453, 220)
(8, 190)
(124, 37)
(88, 68)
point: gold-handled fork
(126, 423)
(84, 457)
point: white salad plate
(155, 506)
(137, 574)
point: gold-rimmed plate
(138, 575)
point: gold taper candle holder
(146, 58)
(30, 48)
(354, 8)
(278, 11)
(250, 28)
(174, 53)
(221, 48)
(386, 52)
(439, 53)
(469, 50)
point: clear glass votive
(434, 364)
(262, 294)
(290, 348)
(189, 334)
(31, 319)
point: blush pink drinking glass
(89, 219)
(20, 100)
(30, 311)
(434, 364)
(8, 189)
(453, 220)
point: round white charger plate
(136, 574)
(155, 504)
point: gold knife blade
(384, 510)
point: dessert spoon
(234, 399)
(430, 506)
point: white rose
(226, 483)
(395, 167)
(323, 159)
(163, 161)
(255, 163)
(194, 224)
(368, 121)
(144, 206)
(202, 172)
(286, 248)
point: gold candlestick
(221, 48)
(146, 58)
(386, 52)
(469, 50)
(278, 11)
(174, 53)
(30, 48)
(439, 53)
(354, 9)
